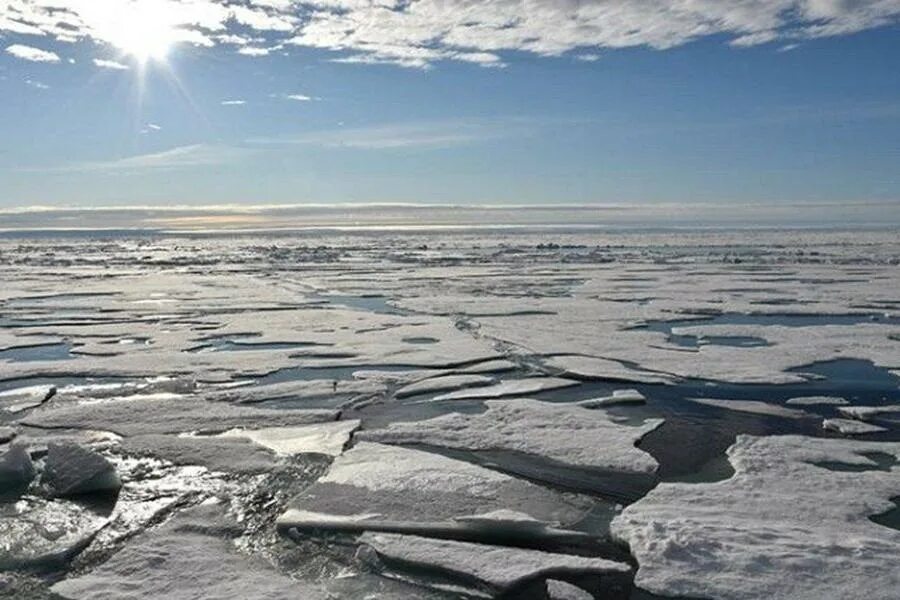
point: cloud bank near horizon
(419, 33)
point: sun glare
(144, 30)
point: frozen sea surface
(439, 415)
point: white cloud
(422, 32)
(31, 53)
(299, 97)
(110, 64)
(400, 136)
(182, 157)
(37, 84)
(233, 102)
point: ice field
(437, 415)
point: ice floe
(190, 557)
(568, 435)
(325, 438)
(25, 398)
(867, 412)
(387, 488)
(142, 416)
(851, 426)
(816, 401)
(510, 387)
(785, 526)
(753, 407)
(618, 397)
(441, 384)
(495, 569)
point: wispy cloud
(32, 54)
(36, 84)
(421, 33)
(110, 64)
(182, 157)
(403, 135)
(233, 102)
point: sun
(143, 29)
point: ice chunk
(135, 417)
(71, 470)
(190, 557)
(16, 468)
(387, 488)
(497, 569)
(851, 426)
(7, 434)
(561, 590)
(592, 367)
(563, 433)
(222, 455)
(867, 412)
(441, 384)
(38, 533)
(25, 398)
(511, 387)
(784, 526)
(816, 400)
(753, 406)
(325, 438)
(618, 397)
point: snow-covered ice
(441, 384)
(753, 407)
(816, 401)
(569, 435)
(616, 398)
(851, 426)
(510, 387)
(387, 488)
(787, 525)
(500, 569)
(325, 438)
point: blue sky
(262, 102)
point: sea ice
(216, 454)
(7, 434)
(25, 398)
(441, 384)
(510, 387)
(785, 526)
(38, 533)
(561, 590)
(16, 467)
(497, 569)
(816, 400)
(617, 397)
(594, 367)
(189, 558)
(567, 434)
(753, 406)
(851, 426)
(70, 469)
(867, 412)
(135, 417)
(325, 438)
(387, 488)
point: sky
(729, 103)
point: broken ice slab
(25, 398)
(816, 401)
(190, 557)
(753, 407)
(851, 426)
(867, 412)
(377, 487)
(42, 534)
(441, 384)
(324, 438)
(569, 435)
(618, 397)
(511, 387)
(70, 470)
(16, 468)
(171, 415)
(495, 570)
